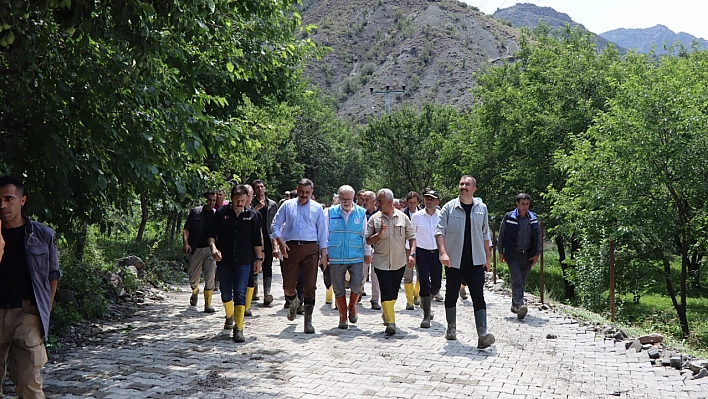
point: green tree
(103, 102)
(639, 177)
(403, 147)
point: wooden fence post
(540, 280)
(612, 280)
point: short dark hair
(208, 193)
(239, 189)
(256, 182)
(523, 196)
(293, 193)
(306, 182)
(15, 181)
(474, 181)
(411, 195)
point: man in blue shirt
(519, 246)
(29, 270)
(301, 233)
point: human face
(466, 187)
(385, 205)
(523, 206)
(259, 189)
(220, 198)
(347, 201)
(210, 202)
(412, 204)
(250, 194)
(397, 204)
(368, 202)
(239, 201)
(303, 194)
(430, 202)
(11, 203)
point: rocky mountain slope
(642, 40)
(430, 47)
(528, 15)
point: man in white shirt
(428, 263)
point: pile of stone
(659, 355)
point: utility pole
(388, 93)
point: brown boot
(342, 308)
(353, 299)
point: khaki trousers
(21, 341)
(201, 259)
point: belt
(299, 242)
(431, 251)
(522, 251)
(15, 304)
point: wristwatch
(259, 258)
(413, 254)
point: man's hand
(367, 259)
(502, 258)
(411, 262)
(2, 242)
(444, 259)
(533, 260)
(216, 254)
(324, 261)
(260, 205)
(284, 249)
(257, 266)
(487, 266)
(186, 249)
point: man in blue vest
(519, 246)
(347, 251)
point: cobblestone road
(169, 350)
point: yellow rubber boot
(408, 288)
(389, 316)
(416, 293)
(249, 297)
(328, 295)
(229, 310)
(239, 313)
(194, 297)
(207, 302)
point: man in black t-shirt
(196, 246)
(29, 271)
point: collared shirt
(451, 225)
(345, 215)
(300, 222)
(424, 226)
(236, 235)
(197, 224)
(390, 250)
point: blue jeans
(234, 280)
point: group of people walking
(359, 231)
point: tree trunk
(694, 270)
(569, 287)
(143, 216)
(679, 306)
(80, 238)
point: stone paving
(169, 350)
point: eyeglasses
(346, 199)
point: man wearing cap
(462, 238)
(519, 246)
(428, 263)
(300, 229)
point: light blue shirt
(300, 222)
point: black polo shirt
(236, 235)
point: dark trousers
(429, 272)
(267, 259)
(234, 280)
(389, 283)
(475, 280)
(519, 267)
(301, 259)
(251, 276)
(326, 277)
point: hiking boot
(293, 305)
(238, 335)
(521, 313)
(375, 305)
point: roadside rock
(131, 260)
(651, 339)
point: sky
(600, 16)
